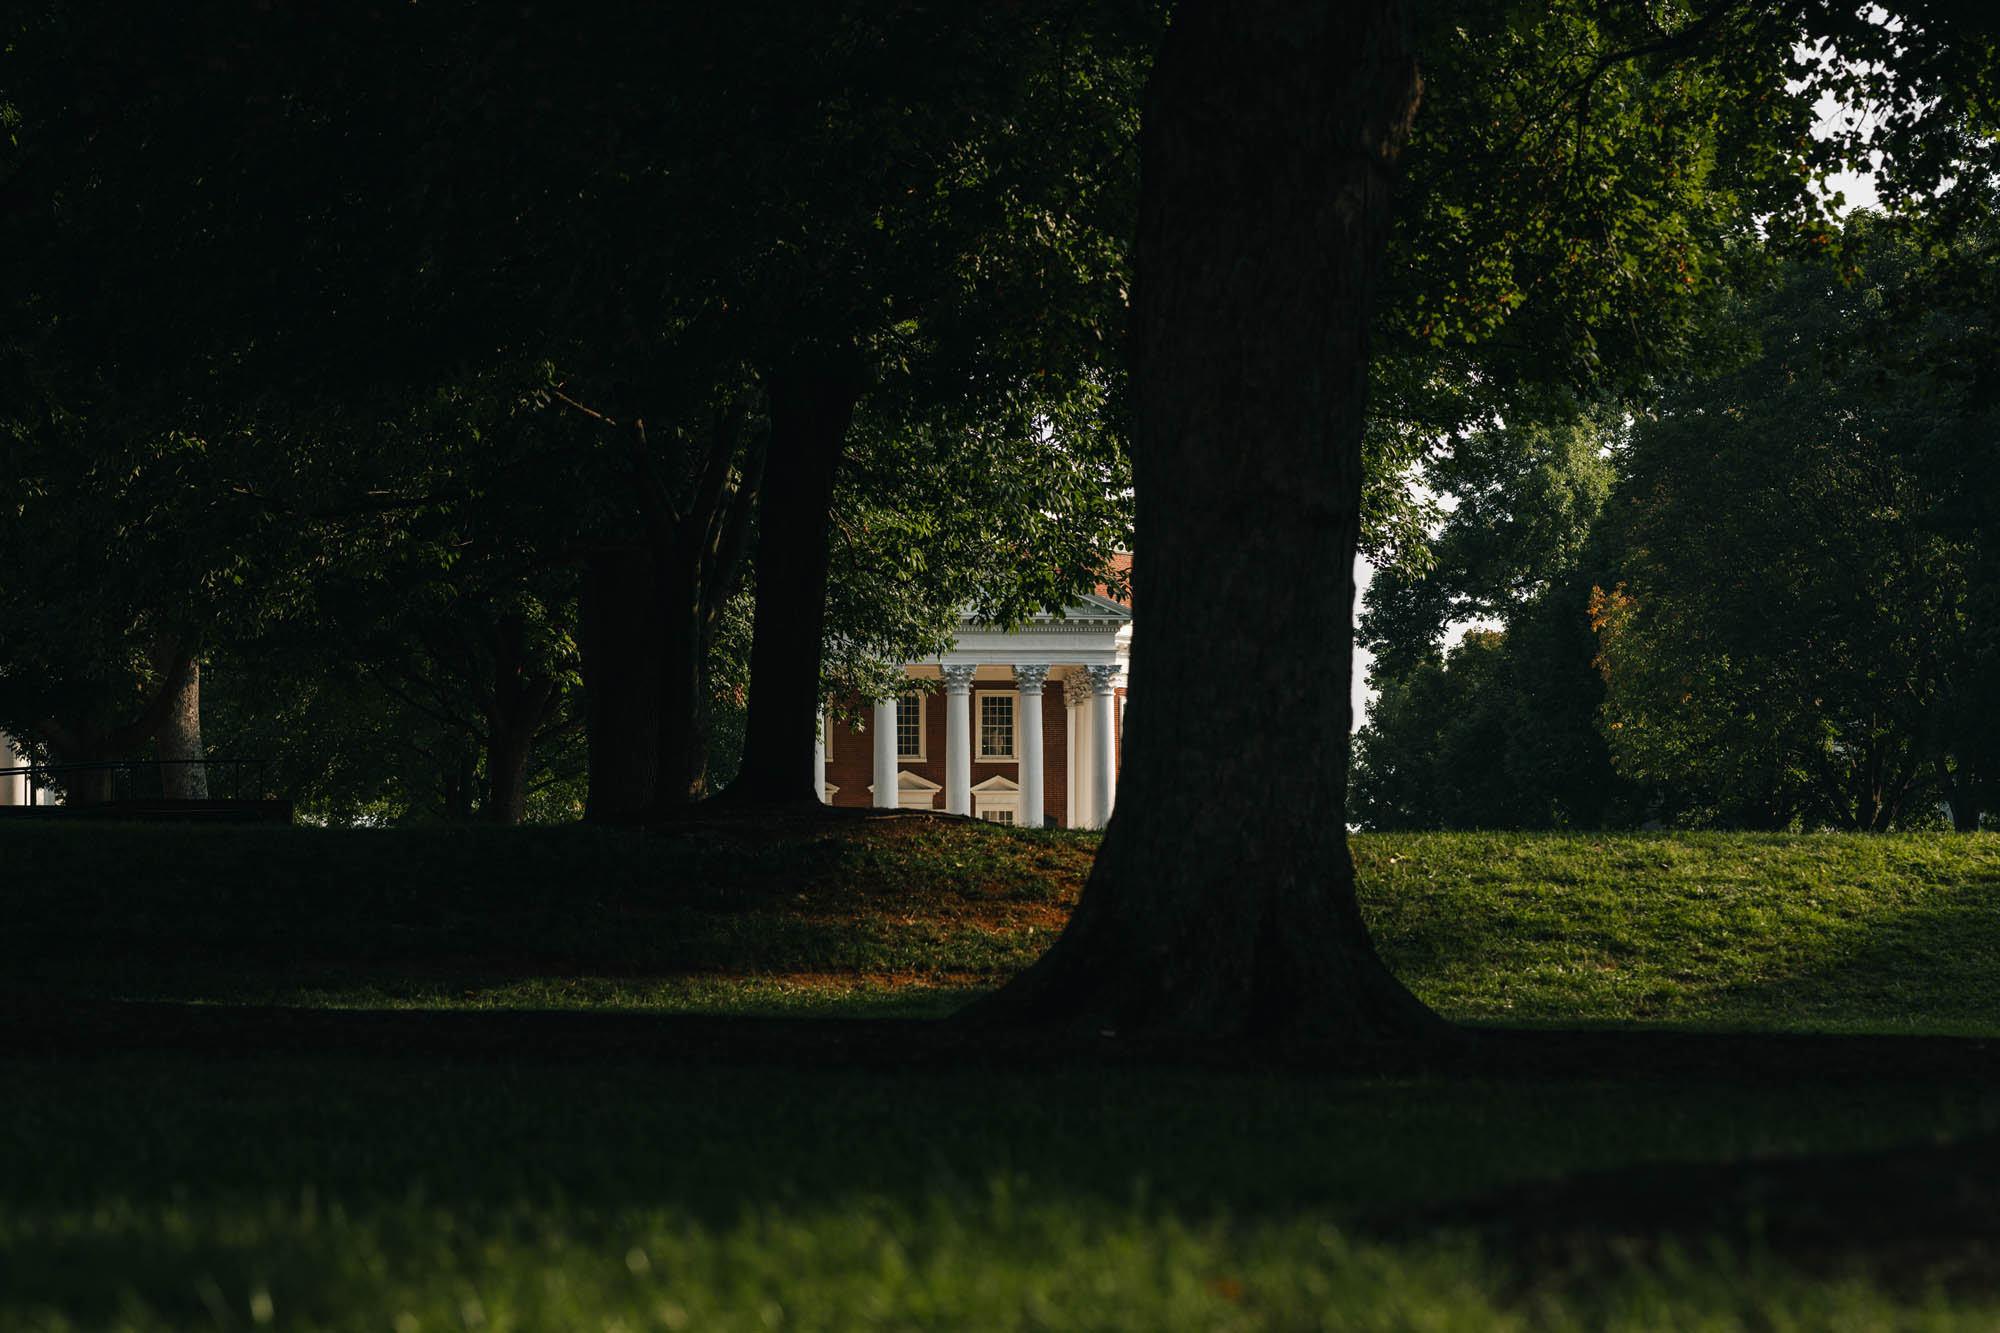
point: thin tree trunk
(683, 689)
(811, 406)
(1961, 793)
(520, 705)
(461, 781)
(182, 774)
(1222, 900)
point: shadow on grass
(1939, 963)
(41, 1023)
(135, 1138)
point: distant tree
(1793, 634)
(1499, 732)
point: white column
(958, 739)
(1103, 743)
(1076, 694)
(885, 754)
(13, 790)
(1029, 680)
(819, 759)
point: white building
(1022, 726)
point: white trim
(994, 795)
(913, 791)
(979, 754)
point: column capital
(1102, 678)
(1030, 679)
(957, 679)
(1075, 689)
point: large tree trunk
(622, 648)
(811, 406)
(650, 612)
(81, 743)
(1222, 900)
(182, 774)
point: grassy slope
(1886, 934)
(1745, 930)
(375, 1191)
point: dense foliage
(1787, 599)
(390, 363)
(412, 368)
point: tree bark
(812, 402)
(1961, 793)
(81, 743)
(623, 645)
(182, 775)
(521, 703)
(1222, 900)
(461, 784)
(685, 627)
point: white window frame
(979, 755)
(923, 731)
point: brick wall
(851, 765)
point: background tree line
(1766, 600)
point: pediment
(997, 786)
(1094, 605)
(1090, 609)
(907, 781)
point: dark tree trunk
(1961, 793)
(522, 700)
(685, 627)
(182, 774)
(82, 743)
(1222, 900)
(623, 645)
(811, 406)
(650, 612)
(461, 782)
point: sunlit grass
(1827, 933)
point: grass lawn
(539, 1079)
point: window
(997, 816)
(910, 725)
(996, 725)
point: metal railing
(141, 779)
